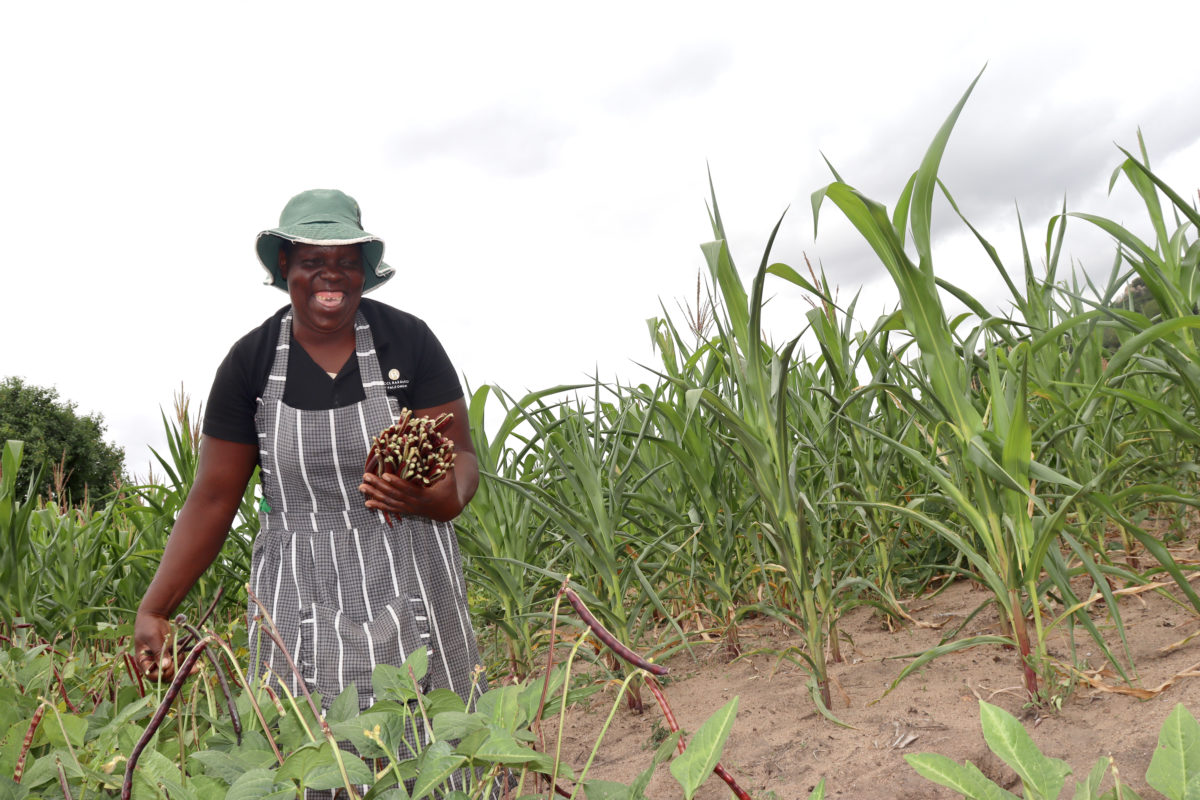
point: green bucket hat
(322, 217)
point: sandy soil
(780, 747)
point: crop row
(1047, 452)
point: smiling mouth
(330, 300)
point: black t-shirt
(416, 371)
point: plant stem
(1021, 634)
(212, 657)
(159, 715)
(537, 718)
(269, 627)
(562, 710)
(603, 730)
(229, 655)
(63, 728)
(718, 770)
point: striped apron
(345, 590)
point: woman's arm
(444, 500)
(222, 471)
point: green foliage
(63, 570)
(503, 532)
(997, 462)
(160, 501)
(1174, 768)
(69, 571)
(696, 763)
(55, 434)
(755, 421)
(84, 713)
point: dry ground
(780, 747)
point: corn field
(1047, 452)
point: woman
(303, 395)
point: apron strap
(368, 361)
(364, 349)
(278, 377)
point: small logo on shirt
(394, 381)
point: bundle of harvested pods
(413, 449)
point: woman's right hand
(222, 471)
(151, 634)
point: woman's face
(324, 283)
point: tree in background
(55, 433)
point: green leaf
(667, 748)
(317, 768)
(229, 766)
(344, 707)
(966, 779)
(157, 766)
(920, 213)
(10, 745)
(292, 733)
(818, 792)
(605, 790)
(394, 793)
(434, 766)
(11, 790)
(1043, 776)
(245, 706)
(696, 763)
(457, 724)
(257, 784)
(418, 663)
(442, 700)
(392, 682)
(472, 742)
(531, 695)
(207, 788)
(327, 775)
(791, 276)
(39, 770)
(725, 275)
(76, 729)
(387, 727)
(299, 763)
(10, 709)
(501, 748)
(127, 713)
(638, 787)
(502, 706)
(1175, 767)
(1089, 789)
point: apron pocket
(335, 651)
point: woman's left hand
(399, 497)
(445, 499)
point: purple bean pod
(608, 639)
(160, 714)
(62, 780)
(212, 658)
(27, 742)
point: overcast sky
(537, 170)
